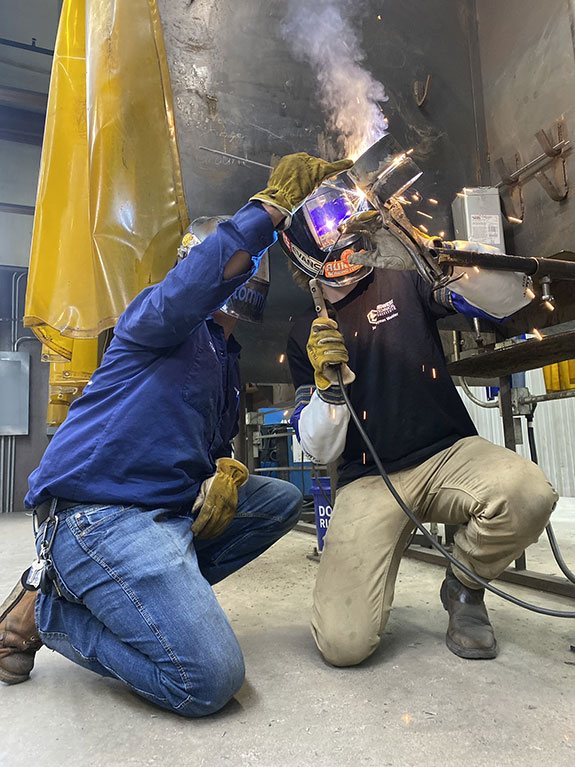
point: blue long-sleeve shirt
(163, 405)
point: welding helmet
(313, 237)
(248, 301)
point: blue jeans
(135, 600)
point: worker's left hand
(217, 501)
(294, 178)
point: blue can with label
(321, 491)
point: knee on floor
(346, 649)
(207, 689)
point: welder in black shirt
(386, 332)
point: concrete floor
(412, 704)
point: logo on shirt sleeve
(382, 313)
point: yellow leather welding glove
(327, 351)
(217, 501)
(294, 178)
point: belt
(42, 511)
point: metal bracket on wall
(511, 189)
(552, 160)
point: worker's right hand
(327, 351)
(294, 178)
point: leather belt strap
(43, 510)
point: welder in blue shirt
(140, 507)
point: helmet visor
(329, 207)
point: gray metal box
(14, 393)
(477, 216)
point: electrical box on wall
(14, 393)
(477, 216)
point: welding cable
(422, 529)
(474, 399)
(553, 542)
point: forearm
(165, 314)
(241, 261)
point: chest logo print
(383, 313)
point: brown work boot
(19, 639)
(469, 634)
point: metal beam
(23, 210)
(28, 101)
(26, 46)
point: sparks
(425, 215)
(476, 269)
(282, 359)
(432, 201)
(514, 220)
(548, 305)
(433, 373)
(407, 719)
(537, 334)
(424, 229)
(355, 334)
(286, 413)
(365, 415)
(416, 197)
(442, 235)
(530, 294)
(364, 459)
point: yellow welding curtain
(110, 208)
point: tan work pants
(502, 500)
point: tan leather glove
(326, 350)
(294, 178)
(367, 223)
(217, 501)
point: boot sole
(464, 652)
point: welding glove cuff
(217, 501)
(326, 350)
(294, 178)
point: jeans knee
(290, 502)
(208, 687)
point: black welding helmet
(313, 237)
(248, 301)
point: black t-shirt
(403, 391)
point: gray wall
(528, 65)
